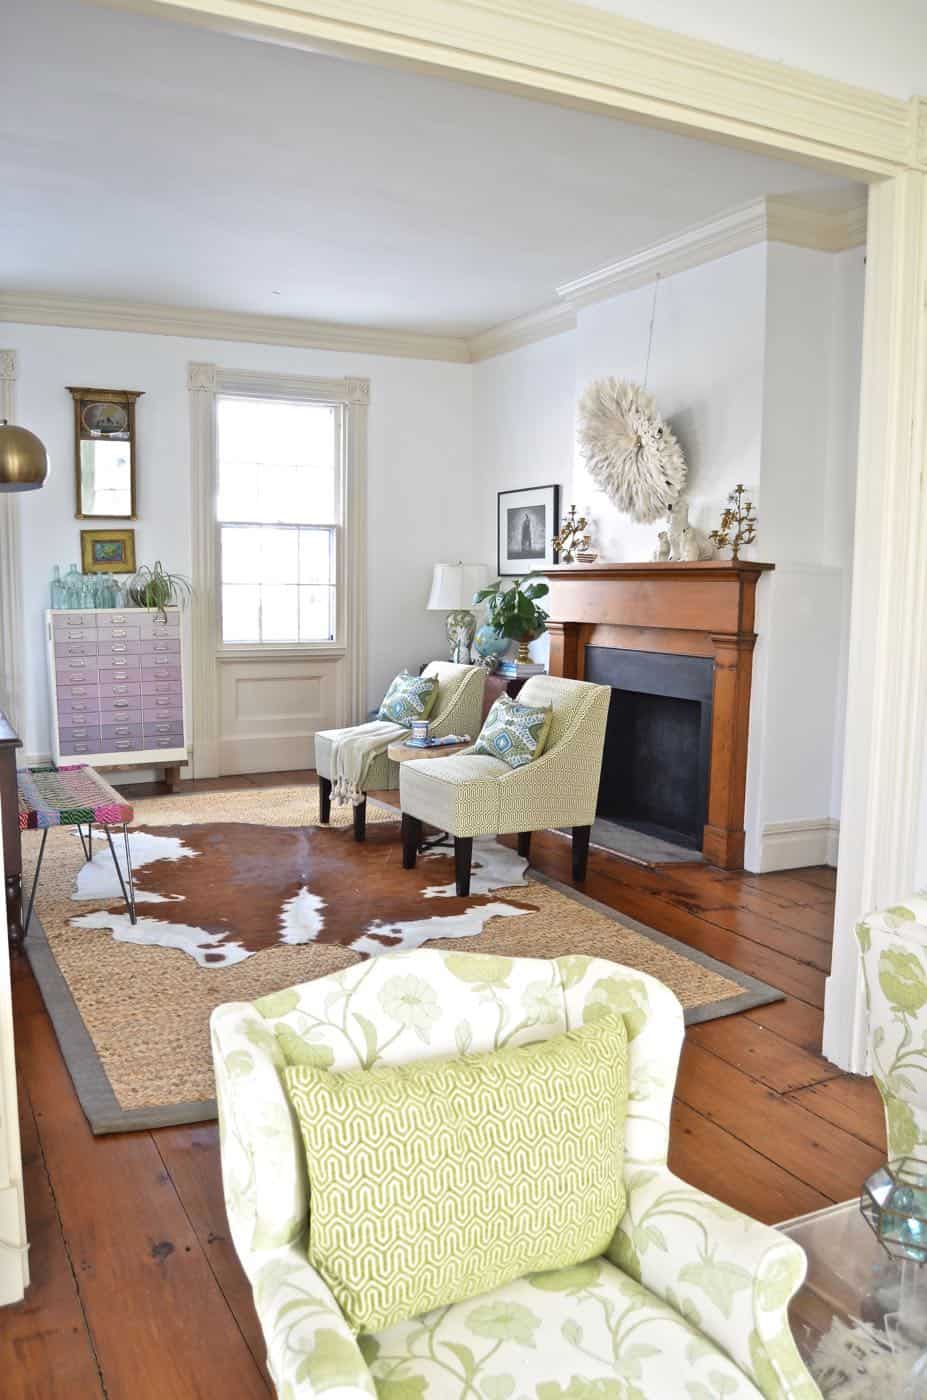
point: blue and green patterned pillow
(513, 732)
(409, 698)
(440, 1180)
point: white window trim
(206, 383)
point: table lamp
(452, 590)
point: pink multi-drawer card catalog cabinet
(116, 678)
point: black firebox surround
(657, 758)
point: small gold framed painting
(107, 551)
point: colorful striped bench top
(68, 797)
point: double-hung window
(279, 519)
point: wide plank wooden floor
(136, 1289)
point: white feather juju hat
(630, 453)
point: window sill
(275, 651)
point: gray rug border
(105, 1115)
(101, 1108)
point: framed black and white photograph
(528, 520)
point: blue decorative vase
(488, 642)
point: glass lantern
(894, 1204)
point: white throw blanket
(353, 752)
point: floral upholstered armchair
(893, 944)
(690, 1298)
(457, 710)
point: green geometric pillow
(440, 1180)
(513, 732)
(409, 698)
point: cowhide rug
(223, 891)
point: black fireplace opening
(656, 763)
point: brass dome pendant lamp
(23, 459)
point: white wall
(877, 44)
(755, 361)
(706, 372)
(523, 432)
(421, 490)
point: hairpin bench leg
(128, 894)
(35, 881)
(87, 844)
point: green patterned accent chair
(457, 710)
(474, 794)
(690, 1298)
(893, 945)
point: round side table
(401, 753)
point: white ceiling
(146, 161)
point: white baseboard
(792, 845)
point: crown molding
(774, 219)
(148, 318)
(522, 330)
(592, 58)
(768, 220)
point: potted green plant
(512, 612)
(157, 588)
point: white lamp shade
(453, 586)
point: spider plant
(157, 588)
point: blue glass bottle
(57, 589)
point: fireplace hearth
(675, 642)
(657, 756)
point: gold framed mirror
(105, 454)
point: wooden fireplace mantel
(692, 609)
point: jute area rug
(242, 893)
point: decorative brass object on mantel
(738, 523)
(571, 543)
(104, 446)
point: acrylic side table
(860, 1312)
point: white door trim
(595, 59)
(11, 608)
(205, 383)
(886, 711)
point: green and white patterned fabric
(457, 710)
(514, 732)
(699, 1264)
(408, 698)
(470, 794)
(437, 1181)
(893, 944)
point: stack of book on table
(515, 670)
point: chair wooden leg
(411, 836)
(325, 800)
(580, 851)
(524, 844)
(463, 857)
(360, 820)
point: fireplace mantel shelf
(654, 568)
(704, 608)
